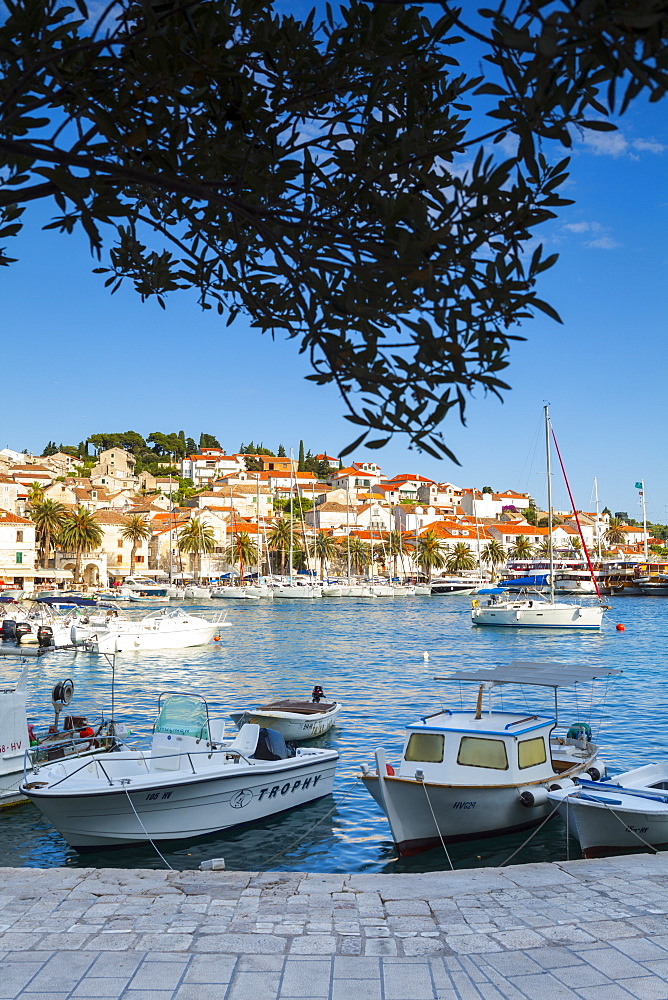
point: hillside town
(141, 524)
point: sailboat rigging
(534, 611)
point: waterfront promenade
(592, 930)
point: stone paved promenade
(595, 930)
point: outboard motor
(44, 636)
(272, 746)
(22, 630)
(9, 629)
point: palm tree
(242, 549)
(194, 538)
(136, 531)
(324, 548)
(494, 554)
(80, 531)
(279, 539)
(614, 534)
(48, 517)
(576, 546)
(543, 549)
(360, 555)
(460, 559)
(428, 553)
(35, 494)
(522, 549)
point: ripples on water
(369, 656)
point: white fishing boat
(627, 812)
(77, 736)
(164, 629)
(191, 782)
(295, 720)
(465, 774)
(533, 610)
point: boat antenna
(549, 499)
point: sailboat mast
(292, 525)
(550, 540)
(598, 525)
(348, 531)
(171, 516)
(644, 520)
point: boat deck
(298, 707)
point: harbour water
(370, 656)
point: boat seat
(217, 730)
(245, 742)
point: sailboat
(535, 611)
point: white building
(18, 556)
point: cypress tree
(300, 466)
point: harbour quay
(576, 929)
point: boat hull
(290, 725)
(463, 813)
(169, 810)
(123, 642)
(518, 614)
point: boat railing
(124, 779)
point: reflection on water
(368, 655)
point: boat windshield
(183, 715)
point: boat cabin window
(477, 752)
(427, 748)
(531, 752)
(183, 715)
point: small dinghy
(295, 720)
(192, 781)
(627, 812)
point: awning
(8, 574)
(542, 673)
(54, 574)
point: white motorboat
(77, 737)
(236, 593)
(191, 782)
(142, 597)
(466, 774)
(144, 585)
(573, 581)
(297, 591)
(534, 611)
(627, 812)
(195, 592)
(295, 720)
(457, 585)
(164, 629)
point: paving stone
(240, 944)
(407, 982)
(313, 944)
(356, 968)
(647, 988)
(253, 985)
(380, 946)
(423, 946)
(310, 979)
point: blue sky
(77, 360)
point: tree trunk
(77, 567)
(133, 553)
